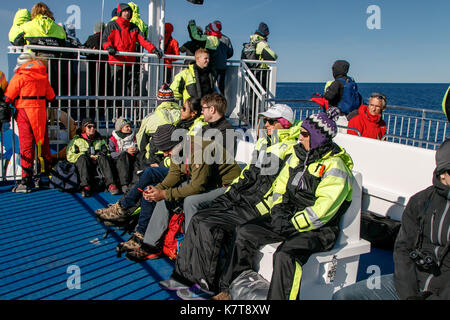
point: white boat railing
(87, 86)
(424, 128)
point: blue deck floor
(46, 233)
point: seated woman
(88, 150)
(123, 148)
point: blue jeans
(151, 176)
(362, 291)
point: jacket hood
(441, 188)
(327, 151)
(33, 69)
(124, 6)
(44, 22)
(340, 68)
(135, 8)
(22, 16)
(168, 29)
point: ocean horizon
(413, 95)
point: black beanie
(263, 30)
(162, 138)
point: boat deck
(46, 232)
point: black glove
(5, 112)
(158, 52)
(112, 51)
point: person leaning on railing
(121, 35)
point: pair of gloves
(159, 53)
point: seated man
(250, 196)
(202, 169)
(119, 212)
(311, 193)
(368, 119)
(421, 259)
(197, 80)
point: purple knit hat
(321, 127)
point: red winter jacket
(370, 126)
(171, 45)
(123, 35)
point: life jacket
(351, 99)
(263, 50)
(16, 32)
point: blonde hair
(43, 9)
(200, 51)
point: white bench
(318, 282)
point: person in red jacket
(122, 36)
(29, 89)
(170, 47)
(368, 119)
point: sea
(413, 95)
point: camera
(423, 261)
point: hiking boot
(86, 192)
(132, 244)
(23, 187)
(144, 252)
(113, 189)
(222, 296)
(194, 293)
(114, 213)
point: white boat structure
(387, 173)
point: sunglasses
(379, 96)
(270, 121)
(304, 134)
(90, 126)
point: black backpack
(381, 232)
(64, 177)
(249, 53)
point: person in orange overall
(29, 90)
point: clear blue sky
(412, 46)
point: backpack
(64, 177)
(381, 232)
(249, 53)
(351, 99)
(174, 235)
